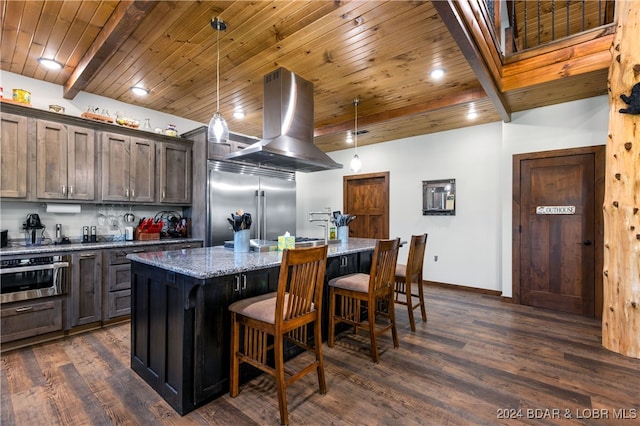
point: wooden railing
(533, 23)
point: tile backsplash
(108, 219)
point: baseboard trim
(464, 288)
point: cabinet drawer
(180, 246)
(119, 303)
(119, 277)
(119, 256)
(31, 319)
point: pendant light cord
(218, 71)
(356, 101)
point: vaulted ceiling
(378, 51)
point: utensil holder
(241, 241)
(343, 233)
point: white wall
(474, 246)
(468, 155)
(44, 94)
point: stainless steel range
(33, 277)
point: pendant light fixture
(356, 164)
(218, 131)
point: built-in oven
(33, 277)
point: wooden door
(367, 197)
(558, 232)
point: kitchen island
(180, 324)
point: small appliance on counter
(34, 230)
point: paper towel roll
(63, 208)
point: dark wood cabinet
(117, 277)
(13, 156)
(180, 327)
(174, 172)
(31, 318)
(180, 330)
(86, 288)
(128, 168)
(213, 327)
(65, 162)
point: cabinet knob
(133, 193)
(70, 189)
(64, 189)
(126, 192)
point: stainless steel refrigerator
(268, 195)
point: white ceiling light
(218, 131)
(472, 115)
(50, 63)
(239, 114)
(356, 163)
(140, 91)
(349, 138)
(437, 74)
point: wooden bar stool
(374, 290)
(270, 319)
(407, 275)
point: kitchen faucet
(326, 218)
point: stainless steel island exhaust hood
(287, 127)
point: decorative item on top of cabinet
(13, 156)
(66, 161)
(128, 168)
(439, 197)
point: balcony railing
(533, 23)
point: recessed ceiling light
(349, 138)
(437, 74)
(140, 91)
(472, 115)
(50, 63)
(239, 114)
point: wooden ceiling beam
(415, 109)
(117, 29)
(456, 25)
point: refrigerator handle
(264, 213)
(258, 219)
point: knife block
(146, 236)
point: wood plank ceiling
(379, 51)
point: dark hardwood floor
(476, 361)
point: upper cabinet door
(66, 162)
(13, 156)
(51, 171)
(174, 172)
(81, 163)
(115, 167)
(142, 170)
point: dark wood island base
(180, 324)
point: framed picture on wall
(439, 197)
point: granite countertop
(209, 262)
(20, 249)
